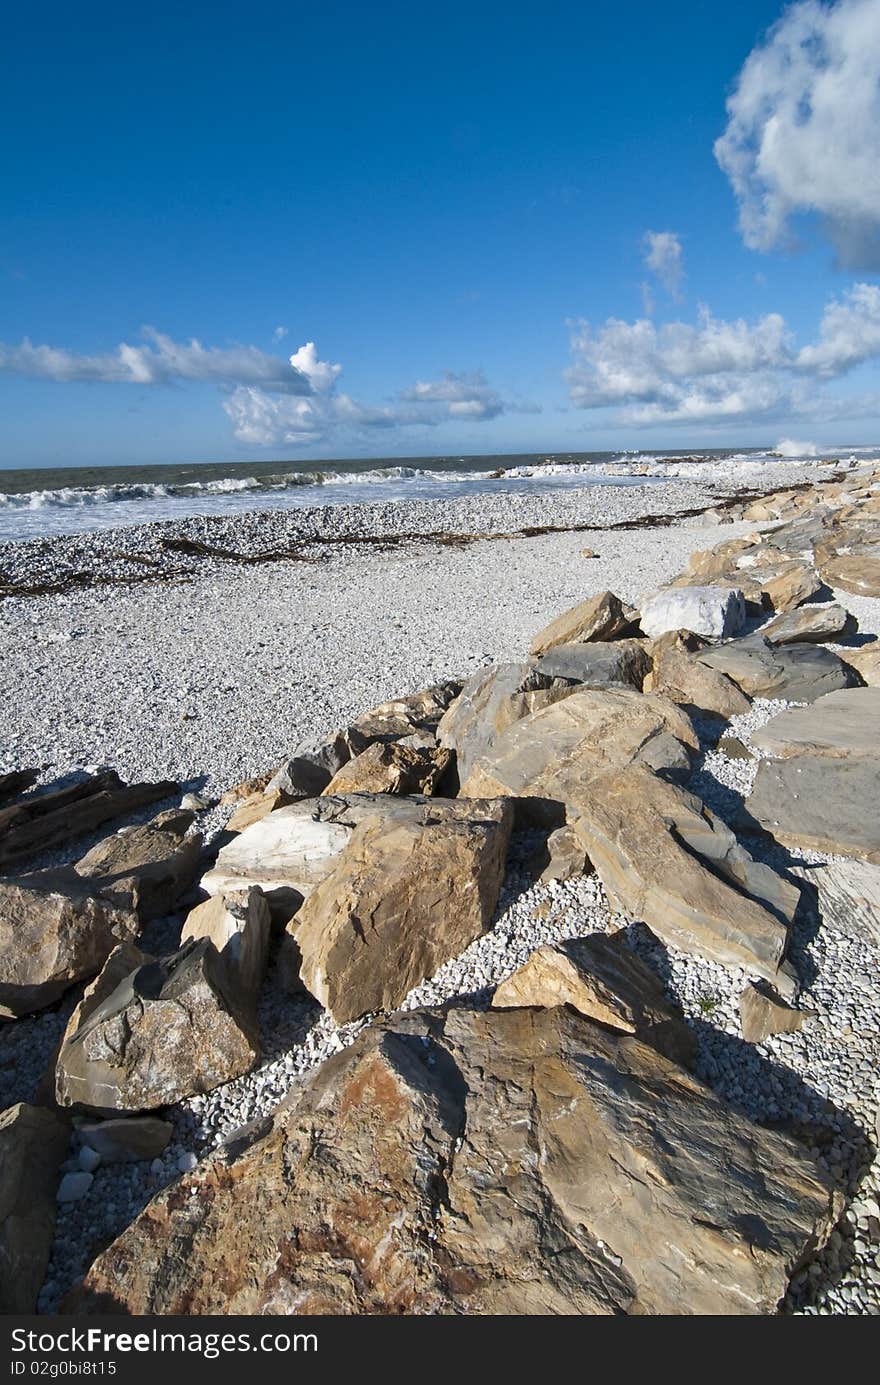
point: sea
(42, 502)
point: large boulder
(145, 868)
(44, 819)
(838, 725)
(600, 617)
(238, 924)
(819, 802)
(858, 573)
(172, 1028)
(763, 572)
(33, 1142)
(601, 978)
(548, 759)
(796, 672)
(492, 699)
(678, 675)
(665, 859)
(599, 664)
(404, 897)
(497, 1162)
(53, 932)
(716, 612)
(865, 660)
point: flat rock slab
(810, 625)
(73, 814)
(600, 617)
(796, 672)
(404, 897)
(858, 573)
(763, 1013)
(127, 1139)
(492, 699)
(599, 664)
(716, 612)
(548, 759)
(839, 725)
(145, 868)
(33, 1143)
(390, 767)
(581, 1173)
(601, 978)
(819, 802)
(848, 896)
(666, 860)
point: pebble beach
(201, 650)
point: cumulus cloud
(161, 360)
(802, 130)
(280, 333)
(663, 256)
(459, 395)
(716, 370)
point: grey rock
(819, 803)
(810, 625)
(716, 612)
(796, 672)
(33, 1142)
(146, 869)
(491, 700)
(599, 664)
(127, 1139)
(839, 725)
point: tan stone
(762, 1013)
(254, 808)
(403, 898)
(145, 868)
(858, 573)
(491, 700)
(33, 1143)
(690, 683)
(865, 660)
(389, 767)
(600, 617)
(522, 1162)
(601, 978)
(238, 924)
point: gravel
(256, 658)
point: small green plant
(708, 1004)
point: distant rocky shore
(548, 988)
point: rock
(716, 612)
(403, 898)
(796, 672)
(196, 802)
(16, 781)
(389, 767)
(491, 700)
(33, 1142)
(145, 868)
(88, 1159)
(74, 1186)
(127, 1139)
(254, 808)
(838, 725)
(560, 857)
(53, 932)
(501, 1162)
(866, 662)
(601, 978)
(598, 618)
(43, 820)
(589, 553)
(313, 764)
(678, 675)
(600, 664)
(818, 802)
(291, 850)
(169, 1030)
(790, 586)
(665, 859)
(858, 573)
(765, 575)
(247, 788)
(548, 759)
(733, 748)
(848, 896)
(810, 624)
(238, 924)
(763, 1013)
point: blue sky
(511, 228)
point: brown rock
(28, 827)
(491, 700)
(169, 1030)
(254, 808)
(247, 788)
(866, 662)
(598, 618)
(858, 573)
(560, 857)
(33, 1142)
(390, 767)
(145, 868)
(402, 899)
(550, 757)
(601, 978)
(763, 1013)
(238, 924)
(581, 1173)
(665, 859)
(685, 680)
(53, 932)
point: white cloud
(164, 361)
(280, 333)
(663, 257)
(716, 370)
(802, 133)
(459, 395)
